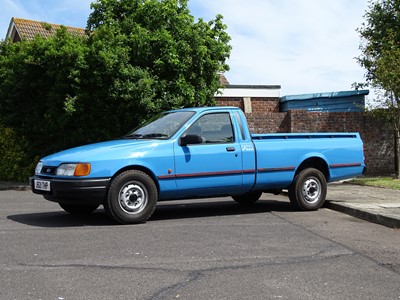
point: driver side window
(214, 128)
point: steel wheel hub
(311, 190)
(133, 198)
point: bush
(138, 57)
(14, 163)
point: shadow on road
(173, 210)
(198, 209)
(62, 219)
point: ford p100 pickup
(196, 153)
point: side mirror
(190, 139)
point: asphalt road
(198, 249)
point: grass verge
(385, 182)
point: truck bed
(340, 154)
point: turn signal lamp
(82, 169)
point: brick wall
(264, 105)
(269, 122)
(378, 140)
(236, 102)
(303, 121)
(379, 147)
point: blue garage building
(344, 101)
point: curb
(14, 187)
(373, 217)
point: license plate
(42, 185)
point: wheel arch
(139, 168)
(315, 162)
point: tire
(308, 190)
(292, 196)
(132, 197)
(248, 198)
(79, 209)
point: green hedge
(14, 163)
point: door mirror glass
(190, 139)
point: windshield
(162, 126)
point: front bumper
(73, 191)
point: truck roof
(204, 108)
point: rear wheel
(79, 209)
(248, 198)
(132, 197)
(308, 190)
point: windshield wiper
(133, 136)
(145, 136)
(155, 135)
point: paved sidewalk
(378, 205)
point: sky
(305, 46)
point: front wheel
(308, 190)
(132, 197)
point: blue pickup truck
(194, 153)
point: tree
(380, 57)
(179, 59)
(138, 58)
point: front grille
(48, 170)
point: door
(213, 165)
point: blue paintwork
(344, 101)
(254, 162)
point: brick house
(22, 28)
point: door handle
(230, 149)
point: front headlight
(81, 169)
(38, 168)
(66, 170)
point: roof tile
(29, 28)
